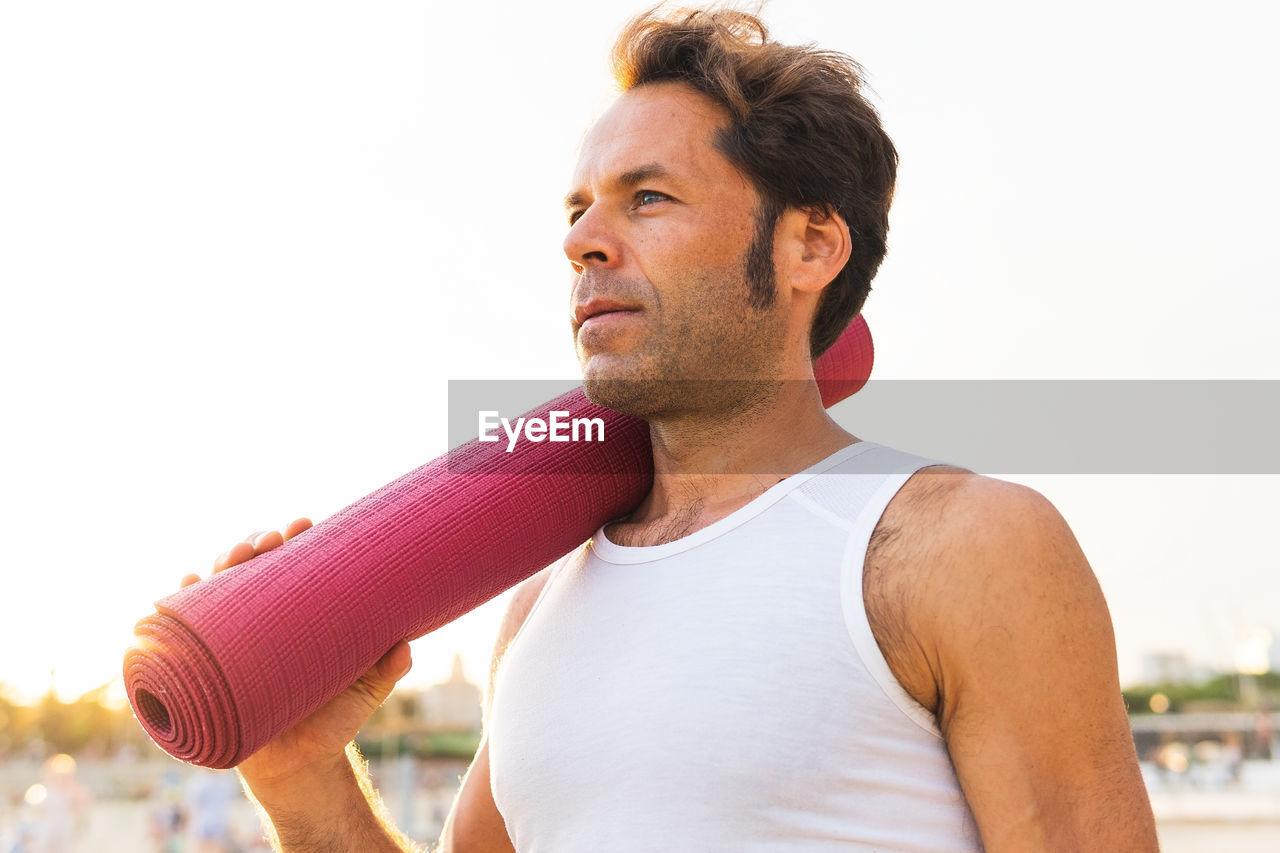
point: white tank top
(724, 692)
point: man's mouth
(601, 310)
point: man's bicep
(474, 824)
(1030, 704)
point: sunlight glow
(127, 352)
(1253, 655)
(62, 765)
(115, 697)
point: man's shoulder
(954, 551)
(945, 509)
(925, 504)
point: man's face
(663, 227)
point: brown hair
(800, 129)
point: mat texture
(226, 664)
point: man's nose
(590, 242)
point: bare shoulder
(952, 549)
(518, 609)
(513, 618)
(989, 615)
(944, 506)
(474, 823)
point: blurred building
(1166, 668)
(452, 705)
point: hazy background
(243, 247)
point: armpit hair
(900, 561)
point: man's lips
(600, 309)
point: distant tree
(1221, 691)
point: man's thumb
(377, 683)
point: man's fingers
(258, 542)
(295, 527)
(264, 542)
(234, 556)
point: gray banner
(1011, 426)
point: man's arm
(474, 824)
(310, 783)
(313, 788)
(989, 614)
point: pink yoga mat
(225, 665)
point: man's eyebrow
(640, 174)
(629, 178)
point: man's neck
(707, 466)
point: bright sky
(244, 245)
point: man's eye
(649, 197)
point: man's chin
(621, 395)
(653, 399)
(645, 398)
(607, 382)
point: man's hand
(305, 779)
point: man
(798, 640)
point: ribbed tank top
(724, 692)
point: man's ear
(816, 246)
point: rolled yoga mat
(225, 665)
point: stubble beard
(712, 370)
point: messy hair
(800, 129)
